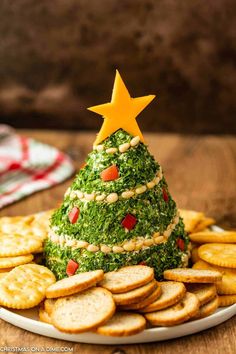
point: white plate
(28, 319)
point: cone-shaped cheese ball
(127, 219)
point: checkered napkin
(27, 166)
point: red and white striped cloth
(27, 166)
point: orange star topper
(121, 112)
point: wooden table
(201, 172)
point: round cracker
(49, 305)
(17, 245)
(83, 311)
(145, 302)
(176, 314)
(203, 224)
(44, 316)
(127, 278)
(40, 250)
(74, 284)
(189, 275)
(15, 224)
(123, 324)
(208, 309)
(204, 292)
(171, 293)
(33, 226)
(227, 286)
(10, 219)
(191, 218)
(223, 255)
(8, 227)
(5, 270)
(9, 262)
(135, 295)
(212, 236)
(194, 255)
(227, 300)
(25, 286)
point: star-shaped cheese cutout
(121, 112)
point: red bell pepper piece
(143, 263)
(180, 244)
(110, 174)
(73, 215)
(71, 268)
(129, 221)
(165, 195)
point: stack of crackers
(213, 251)
(122, 302)
(21, 239)
(195, 221)
(118, 303)
(217, 251)
(23, 282)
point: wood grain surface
(201, 173)
(59, 57)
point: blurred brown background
(59, 57)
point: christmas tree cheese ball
(118, 211)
